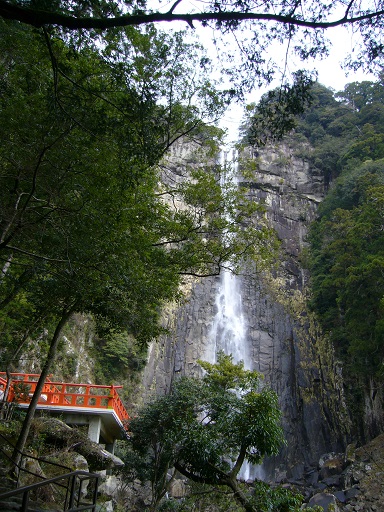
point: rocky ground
(342, 482)
(348, 482)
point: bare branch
(349, 8)
(39, 18)
(174, 6)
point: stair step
(44, 510)
(15, 503)
(7, 485)
(15, 499)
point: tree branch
(39, 18)
(199, 479)
(36, 256)
(239, 462)
(174, 6)
(197, 274)
(7, 234)
(349, 8)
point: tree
(347, 268)
(86, 221)
(276, 113)
(206, 428)
(302, 26)
(360, 94)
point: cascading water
(229, 329)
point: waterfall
(229, 327)
(228, 331)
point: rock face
(283, 340)
(75, 362)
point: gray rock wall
(284, 342)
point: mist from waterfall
(229, 329)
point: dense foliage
(91, 219)
(85, 223)
(347, 241)
(206, 428)
(342, 136)
(347, 246)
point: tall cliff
(283, 340)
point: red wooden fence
(64, 394)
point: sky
(330, 74)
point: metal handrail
(19, 465)
(69, 487)
(69, 504)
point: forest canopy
(94, 218)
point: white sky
(330, 72)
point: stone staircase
(7, 484)
(15, 503)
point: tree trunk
(226, 480)
(16, 456)
(240, 496)
(8, 384)
(6, 266)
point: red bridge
(98, 406)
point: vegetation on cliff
(346, 131)
(341, 135)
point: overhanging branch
(39, 18)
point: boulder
(178, 489)
(333, 464)
(324, 500)
(107, 506)
(110, 486)
(62, 436)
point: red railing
(3, 383)
(89, 396)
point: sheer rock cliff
(284, 341)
